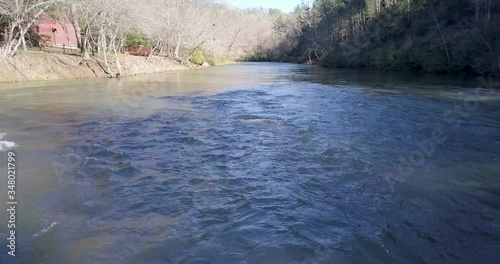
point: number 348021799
(11, 175)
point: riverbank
(38, 66)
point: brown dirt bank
(37, 66)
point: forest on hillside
(438, 36)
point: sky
(284, 5)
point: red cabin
(59, 36)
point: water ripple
(281, 174)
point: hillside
(457, 37)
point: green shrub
(137, 39)
(259, 56)
(218, 59)
(198, 57)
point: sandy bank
(36, 66)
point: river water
(254, 163)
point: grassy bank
(38, 65)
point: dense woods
(439, 36)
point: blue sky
(284, 5)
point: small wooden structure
(137, 50)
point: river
(254, 163)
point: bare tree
(182, 28)
(20, 15)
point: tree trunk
(84, 45)
(161, 49)
(488, 13)
(103, 45)
(22, 33)
(24, 44)
(442, 37)
(158, 43)
(118, 64)
(232, 42)
(76, 25)
(409, 10)
(177, 46)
